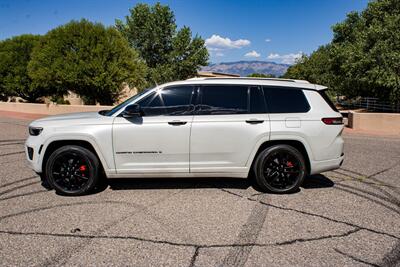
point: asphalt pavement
(347, 217)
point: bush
(88, 59)
(15, 54)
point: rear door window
(285, 100)
(220, 100)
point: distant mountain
(244, 68)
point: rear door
(228, 122)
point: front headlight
(35, 131)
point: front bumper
(33, 152)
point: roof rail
(249, 78)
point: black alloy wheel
(280, 169)
(72, 170)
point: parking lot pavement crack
(302, 240)
(232, 193)
(384, 170)
(317, 215)
(333, 220)
(372, 175)
(194, 257)
(356, 259)
(178, 244)
(97, 236)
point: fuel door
(293, 122)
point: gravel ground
(348, 217)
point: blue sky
(273, 30)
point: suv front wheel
(279, 169)
(72, 170)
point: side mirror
(133, 110)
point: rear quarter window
(285, 100)
(328, 100)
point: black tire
(72, 170)
(279, 169)
(44, 182)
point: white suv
(274, 130)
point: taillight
(333, 121)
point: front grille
(30, 153)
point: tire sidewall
(258, 169)
(91, 160)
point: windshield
(125, 103)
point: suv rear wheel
(72, 170)
(279, 169)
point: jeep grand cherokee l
(277, 130)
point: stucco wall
(48, 109)
(376, 122)
(379, 122)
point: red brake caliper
(82, 168)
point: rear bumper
(326, 165)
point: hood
(70, 116)
(71, 119)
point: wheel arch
(55, 144)
(299, 145)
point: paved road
(347, 217)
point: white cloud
(219, 54)
(252, 54)
(273, 56)
(214, 49)
(287, 58)
(268, 40)
(218, 42)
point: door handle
(177, 123)
(254, 121)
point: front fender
(105, 158)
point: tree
(315, 68)
(261, 75)
(363, 58)
(15, 54)
(169, 54)
(87, 58)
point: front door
(157, 141)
